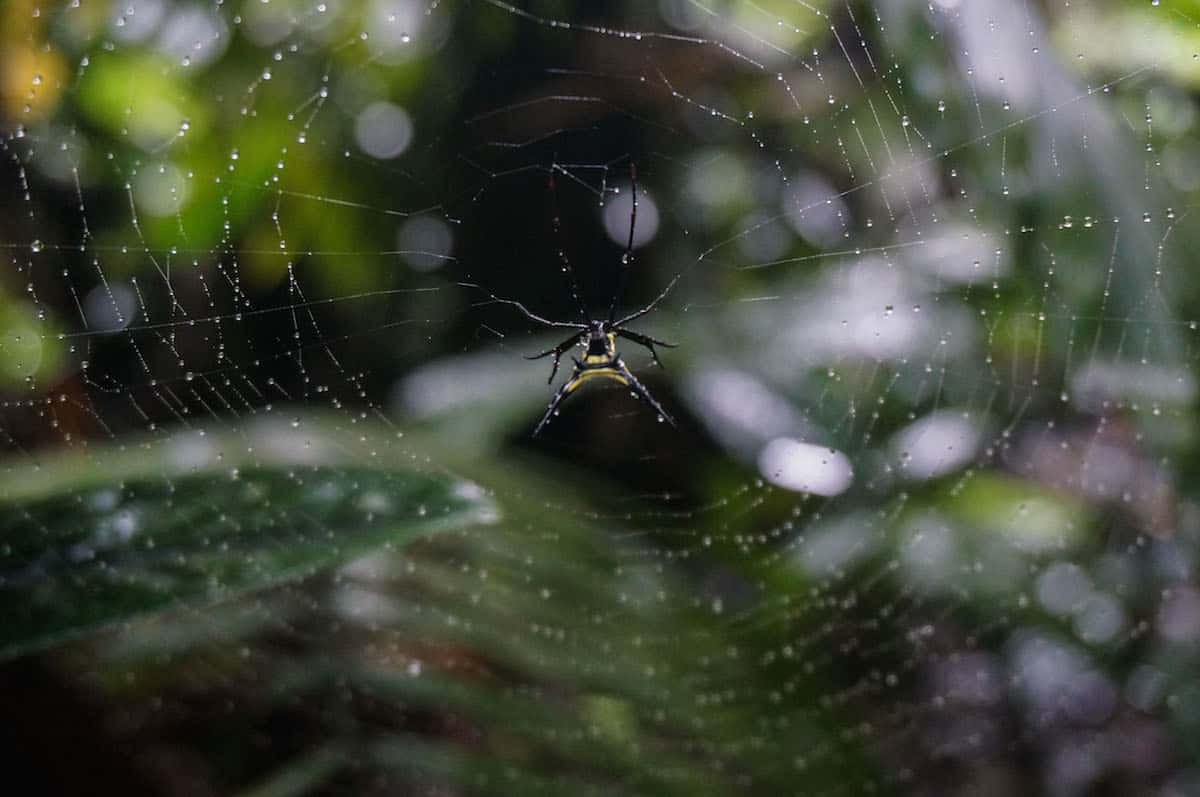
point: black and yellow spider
(598, 338)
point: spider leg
(557, 351)
(641, 390)
(561, 394)
(524, 310)
(650, 306)
(627, 258)
(648, 342)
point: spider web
(935, 377)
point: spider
(597, 337)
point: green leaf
(81, 559)
(302, 775)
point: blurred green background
(274, 521)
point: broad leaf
(75, 561)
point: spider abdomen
(607, 370)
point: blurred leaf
(1030, 516)
(25, 350)
(133, 94)
(450, 687)
(302, 775)
(76, 561)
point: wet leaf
(77, 561)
